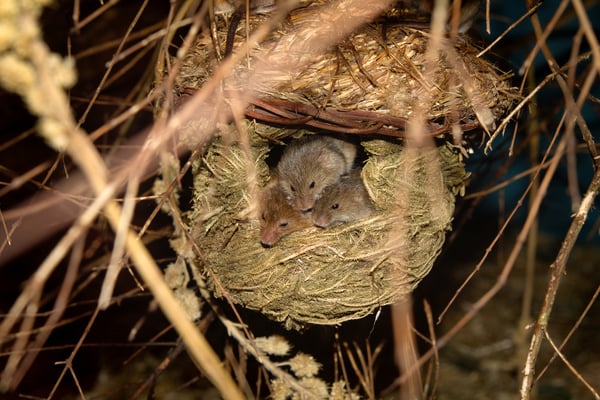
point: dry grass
(94, 192)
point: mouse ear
(329, 159)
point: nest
(321, 276)
(372, 83)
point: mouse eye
(335, 206)
(292, 188)
(283, 224)
(263, 216)
(312, 185)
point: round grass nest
(370, 83)
(322, 276)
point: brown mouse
(278, 217)
(344, 201)
(308, 165)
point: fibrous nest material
(369, 82)
(372, 82)
(324, 276)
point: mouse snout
(268, 237)
(305, 204)
(321, 221)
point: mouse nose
(305, 203)
(321, 221)
(268, 236)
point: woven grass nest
(370, 82)
(327, 276)
(365, 85)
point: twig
(533, 132)
(508, 266)
(57, 312)
(558, 269)
(573, 181)
(22, 179)
(571, 367)
(549, 174)
(542, 37)
(68, 363)
(573, 107)
(507, 182)
(169, 358)
(41, 275)
(77, 24)
(507, 30)
(116, 259)
(590, 33)
(111, 64)
(239, 367)
(362, 374)
(340, 358)
(263, 359)
(573, 329)
(405, 348)
(434, 367)
(59, 128)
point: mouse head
(303, 182)
(328, 209)
(278, 218)
(343, 201)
